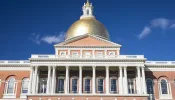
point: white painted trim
(97, 78)
(113, 77)
(165, 96)
(74, 77)
(87, 77)
(160, 69)
(15, 68)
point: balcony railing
(14, 61)
(90, 56)
(160, 62)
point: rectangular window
(75, 54)
(42, 85)
(60, 88)
(87, 85)
(74, 85)
(113, 85)
(100, 85)
(25, 87)
(131, 88)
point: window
(42, 85)
(87, 11)
(164, 88)
(131, 86)
(113, 85)
(10, 86)
(87, 54)
(149, 84)
(99, 54)
(150, 89)
(87, 85)
(75, 54)
(111, 53)
(100, 85)
(62, 53)
(74, 85)
(25, 83)
(60, 88)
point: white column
(31, 78)
(53, 79)
(143, 80)
(125, 80)
(80, 79)
(48, 79)
(67, 80)
(35, 79)
(120, 80)
(107, 79)
(138, 80)
(93, 81)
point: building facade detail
(87, 66)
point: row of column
(123, 83)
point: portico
(87, 80)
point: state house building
(87, 66)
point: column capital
(125, 67)
(49, 67)
(54, 67)
(67, 67)
(138, 67)
(107, 66)
(94, 66)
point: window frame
(25, 79)
(130, 86)
(111, 78)
(100, 77)
(57, 91)
(112, 54)
(75, 54)
(45, 91)
(77, 85)
(87, 77)
(169, 92)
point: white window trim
(165, 96)
(116, 85)
(74, 77)
(10, 95)
(87, 77)
(61, 77)
(23, 95)
(100, 77)
(42, 87)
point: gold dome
(87, 25)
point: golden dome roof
(87, 25)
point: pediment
(88, 40)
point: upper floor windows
(60, 85)
(87, 85)
(165, 89)
(62, 53)
(74, 84)
(10, 86)
(113, 85)
(25, 83)
(131, 86)
(100, 85)
(42, 85)
(149, 84)
(111, 53)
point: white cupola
(87, 10)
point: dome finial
(87, 3)
(87, 10)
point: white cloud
(161, 23)
(51, 39)
(146, 31)
(172, 26)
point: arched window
(149, 84)
(25, 83)
(10, 86)
(164, 88)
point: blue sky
(140, 26)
